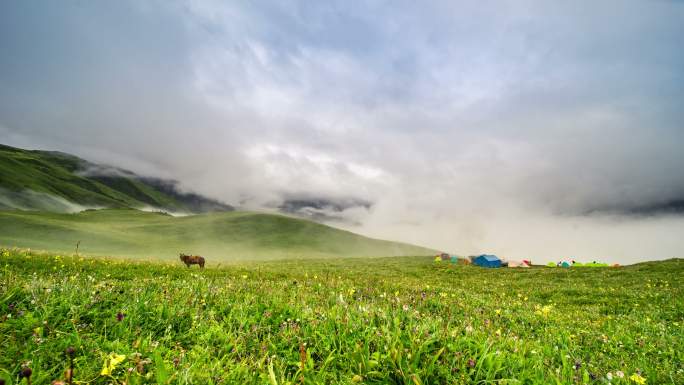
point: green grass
(339, 321)
(220, 237)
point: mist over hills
(219, 236)
(53, 200)
(60, 182)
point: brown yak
(192, 260)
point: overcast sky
(524, 128)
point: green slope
(54, 181)
(219, 236)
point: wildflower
(637, 378)
(111, 362)
(609, 376)
(69, 373)
(471, 363)
(120, 316)
(544, 310)
(26, 373)
(620, 374)
(577, 365)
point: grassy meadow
(221, 236)
(402, 320)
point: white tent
(517, 264)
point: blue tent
(486, 260)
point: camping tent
(517, 264)
(458, 260)
(596, 264)
(486, 260)
(565, 264)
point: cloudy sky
(524, 128)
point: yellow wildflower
(638, 379)
(543, 310)
(111, 363)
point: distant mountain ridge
(61, 182)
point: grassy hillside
(341, 321)
(54, 181)
(219, 236)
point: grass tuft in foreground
(373, 321)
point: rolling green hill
(222, 236)
(59, 182)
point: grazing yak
(192, 260)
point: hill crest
(60, 182)
(222, 236)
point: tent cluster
(492, 261)
(573, 263)
(484, 260)
(454, 259)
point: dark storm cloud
(470, 127)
